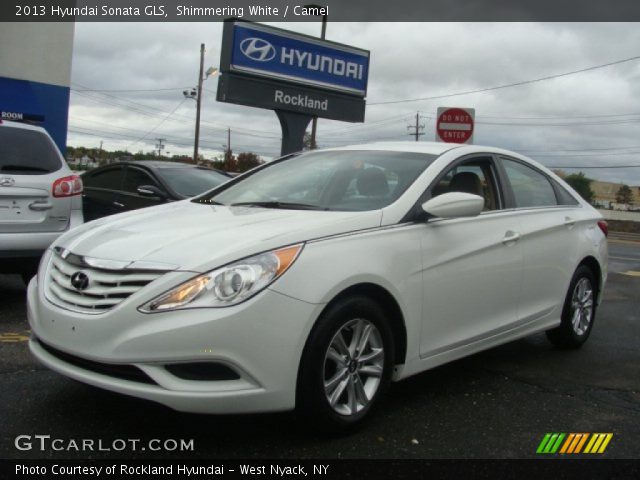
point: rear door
(29, 165)
(100, 189)
(548, 237)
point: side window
(475, 176)
(530, 187)
(109, 179)
(135, 178)
(564, 197)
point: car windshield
(343, 180)
(27, 152)
(189, 182)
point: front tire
(579, 311)
(346, 366)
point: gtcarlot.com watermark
(47, 443)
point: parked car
(39, 196)
(125, 186)
(314, 280)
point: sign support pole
(294, 126)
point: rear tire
(579, 311)
(346, 365)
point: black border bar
(337, 10)
(335, 469)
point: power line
(130, 90)
(508, 85)
(153, 111)
(597, 166)
(161, 122)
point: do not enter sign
(455, 125)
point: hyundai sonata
(313, 281)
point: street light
(314, 121)
(196, 94)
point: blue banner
(274, 53)
(37, 103)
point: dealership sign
(276, 95)
(297, 76)
(273, 53)
(21, 116)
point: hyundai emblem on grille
(80, 280)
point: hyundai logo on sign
(257, 49)
(270, 52)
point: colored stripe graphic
(550, 443)
(581, 443)
(574, 442)
(543, 443)
(598, 442)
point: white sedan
(313, 281)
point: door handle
(40, 206)
(510, 237)
(118, 204)
(569, 222)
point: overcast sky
(585, 119)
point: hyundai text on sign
(455, 125)
(279, 54)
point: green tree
(246, 161)
(624, 195)
(581, 184)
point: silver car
(40, 197)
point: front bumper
(261, 340)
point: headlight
(228, 285)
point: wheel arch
(592, 264)
(387, 301)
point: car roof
(432, 148)
(163, 164)
(20, 125)
(160, 164)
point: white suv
(39, 196)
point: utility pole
(198, 103)
(160, 146)
(314, 121)
(227, 153)
(417, 128)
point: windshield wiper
(24, 168)
(282, 205)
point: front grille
(106, 289)
(124, 372)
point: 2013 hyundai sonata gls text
(313, 281)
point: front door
(472, 267)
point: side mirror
(151, 191)
(454, 205)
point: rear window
(27, 152)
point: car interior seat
(372, 182)
(466, 182)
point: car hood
(193, 236)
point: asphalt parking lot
(497, 404)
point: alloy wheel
(353, 366)
(582, 306)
